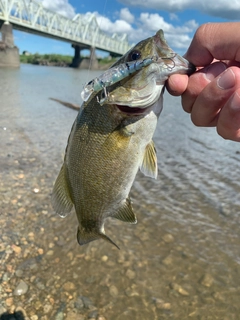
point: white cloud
(60, 6)
(126, 15)
(153, 22)
(118, 26)
(146, 25)
(178, 37)
(178, 41)
(221, 8)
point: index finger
(214, 40)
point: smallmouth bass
(111, 138)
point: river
(182, 259)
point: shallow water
(182, 259)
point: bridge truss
(82, 30)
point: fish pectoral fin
(61, 199)
(125, 213)
(149, 164)
(86, 236)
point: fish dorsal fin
(61, 199)
(86, 236)
(125, 213)
(149, 164)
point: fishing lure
(114, 75)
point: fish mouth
(132, 111)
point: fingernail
(235, 102)
(214, 70)
(226, 80)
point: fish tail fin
(84, 237)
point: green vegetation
(57, 59)
(45, 59)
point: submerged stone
(21, 288)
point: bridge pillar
(90, 63)
(77, 58)
(9, 54)
(84, 63)
(93, 63)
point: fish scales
(111, 139)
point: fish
(111, 138)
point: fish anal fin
(149, 165)
(61, 199)
(86, 236)
(125, 213)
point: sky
(139, 19)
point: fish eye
(134, 55)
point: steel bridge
(82, 31)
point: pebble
(160, 304)
(104, 258)
(5, 277)
(69, 286)
(9, 302)
(113, 290)
(31, 235)
(21, 288)
(168, 260)
(207, 280)
(16, 249)
(34, 317)
(78, 304)
(59, 316)
(183, 292)
(40, 251)
(87, 302)
(93, 314)
(130, 274)
(218, 296)
(47, 308)
(179, 289)
(40, 285)
(50, 252)
(37, 304)
(168, 238)
(130, 292)
(19, 273)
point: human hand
(212, 94)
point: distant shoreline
(57, 60)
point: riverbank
(58, 60)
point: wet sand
(181, 261)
